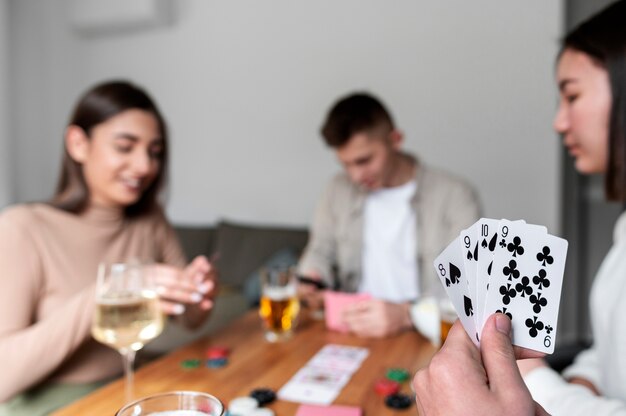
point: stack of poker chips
(389, 388)
(251, 405)
(217, 357)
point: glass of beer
(447, 316)
(279, 302)
(127, 314)
(175, 403)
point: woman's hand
(188, 291)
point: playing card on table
(321, 379)
(451, 271)
(525, 284)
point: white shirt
(389, 262)
(604, 364)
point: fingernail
(178, 309)
(205, 287)
(196, 297)
(503, 324)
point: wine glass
(175, 403)
(127, 314)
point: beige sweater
(48, 263)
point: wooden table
(254, 363)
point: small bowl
(174, 403)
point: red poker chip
(386, 387)
(217, 352)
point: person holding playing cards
(105, 208)
(591, 76)
(380, 224)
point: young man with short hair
(380, 223)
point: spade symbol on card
(476, 252)
(469, 255)
(455, 274)
(489, 268)
(467, 306)
(492, 243)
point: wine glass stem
(128, 357)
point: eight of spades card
(451, 272)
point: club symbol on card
(467, 306)
(538, 302)
(505, 312)
(545, 257)
(511, 271)
(455, 275)
(534, 325)
(524, 287)
(541, 280)
(549, 329)
(507, 293)
(503, 243)
(516, 247)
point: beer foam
(279, 293)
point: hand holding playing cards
(510, 267)
(463, 380)
(376, 318)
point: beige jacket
(444, 205)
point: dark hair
(353, 114)
(96, 106)
(603, 38)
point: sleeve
(319, 254)
(559, 397)
(168, 245)
(586, 365)
(463, 206)
(31, 350)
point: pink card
(334, 302)
(311, 410)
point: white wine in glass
(127, 314)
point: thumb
(498, 355)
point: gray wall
(6, 182)
(245, 85)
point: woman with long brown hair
(105, 208)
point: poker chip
(398, 374)
(217, 352)
(216, 362)
(263, 396)
(190, 363)
(398, 401)
(242, 405)
(384, 387)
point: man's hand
(310, 295)
(376, 318)
(461, 380)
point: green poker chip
(190, 364)
(398, 374)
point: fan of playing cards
(509, 267)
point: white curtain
(5, 147)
